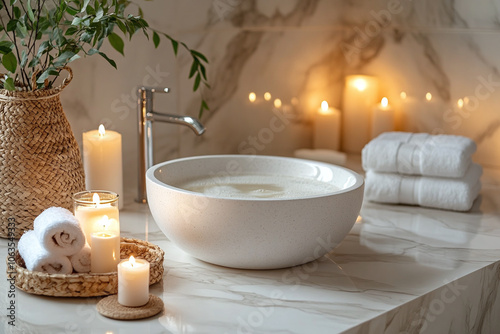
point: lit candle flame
(460, 103)
(403, 95)
(96, 199)
(384, 102)
(428, 96)
(131, 260)
(277, 103)
(102, 130)
(267, 96)
(252, 97)
(360, 84)
(324, 106)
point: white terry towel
(434, 192)
(37, 258)
(419, 154)
(58, 231)
(81, 260)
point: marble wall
(299, 51)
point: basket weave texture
(40, 162)
(87, 284)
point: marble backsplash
(300, 52)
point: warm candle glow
(403, 95)
(294, 101)
(384, 102)
(324, 106)
(252, 97)
(277, 103)
(102, 130)
(460, 103)
(131, 260)
(428, 96)
(96, 199)
(105, 222)
(267, 96)
(360, 84)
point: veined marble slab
(401, 269)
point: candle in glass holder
(105, 250)
(133, 282)
(382, 118)
(91, 206)
(102, 160)
(327, 128)
(360, 94)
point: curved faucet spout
(190, 122)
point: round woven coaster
(109, 307)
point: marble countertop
(401, 269)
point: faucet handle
(155, 89)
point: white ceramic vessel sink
(255, 212)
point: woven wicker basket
(86, 284)
(40, 162)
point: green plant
(39, 37)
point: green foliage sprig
(39, 37)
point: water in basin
(258, 186)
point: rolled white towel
(37, 258)
(81, 260)
(58, 231)
(419, 154)
(442, 193)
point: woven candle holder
(86, 284)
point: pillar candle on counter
(360, 94)
(102, 161)
(91, 207)
(105, 249)
(382, 118)
(327, 128)
(133, 282)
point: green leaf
(92, 51)
(203, 72)
(156, 39)
(85, 4)
(111, 61)
(30, 11)
(12, 25)
(6, 47)
(99, 14)
(199, 55)
(24, 58)
(175, 46)
(194, 68)
(196, 82)
(71, 10)
(16, 11)
(9, 61)
(35, 61)
(9, 84)
(71, 31)
(116, 42)
(122, 26)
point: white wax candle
(105, 252)
(133, 282)
(327, 128)
(360, 94)
(102, 161)
(382, 118)
(90, 218)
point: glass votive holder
(97, 211)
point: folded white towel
(58, 231)
(37, 258)
(434, 192)
(81, 260)
(419, 154)
(329, 156)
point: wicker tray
(87, 284)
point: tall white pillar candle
(327, 128)
(382, 118)
(133, 282)
(360, 94)
(102, 161)
(105, 249)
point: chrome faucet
(146, 117)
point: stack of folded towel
(56, 245)
(421, 169)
